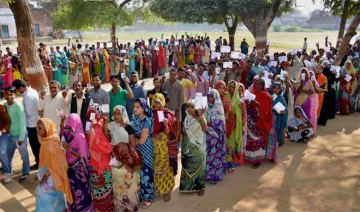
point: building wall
(7, 18)
(44, 21)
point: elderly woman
(126, 169)
(299, 126)
(193, 151)
(215, 139)
(166, 148)
(304, 88)
(54, 189)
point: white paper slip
(105, 108)
(176, 43)
(283, 59)
(242, 100)
(196, 66)
(173, 64)
(274, 96)
(227, 64)
(161, 116)
(198, 104)
(156, 48)
(204, 102)
(266, 74)
(89, 86)
(313, 78)
(215, 55)
(235, 55)
(283, 74)
(114, 162)
(225, 49)
(59, 112)
(126, 62)
(358, 38)
(348, 78)
(121, 59)
(88, 126)
(0, 133)
(327, 49)
(273, 63)
(303, 76)
(271, 57)
(47, 90)
(279, 107)
(123, 51)
(198, 95)
(293, 52)
(217, 70)
(267, 82)
(92, 116)
(147, 53)
(249, 96)
(122, 75)
(268, 43)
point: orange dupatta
(322, 80)
(53, 158)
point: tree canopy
(337, 7)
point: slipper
(146, 204)
(23, 177)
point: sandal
(146, 204)
(167, 197)
(231, 170)
(201, 193)
(23, 177)
(256, 165)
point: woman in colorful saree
(165, 148)
(131, 60)
(279, 124)
(56, 65)
(107, 65)
(198, 55)
(77, 157)
(154, 63)
(193, 151)
(126, 170)
(347, 88)
(54, 189)
(243, 107)
(220, 86)
(100, 171)
(64, 69)
(234, 130)
(215, 139)
(299, 126)
(45, 63)
(143, 124)
(323, 86)
(304, 88)
(259, 123)
(162, 59)
(314, 101)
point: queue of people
(118, 150)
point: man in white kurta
(52, 102)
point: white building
(7, 23)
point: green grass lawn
(280, 41)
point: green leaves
(337, 6)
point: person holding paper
(259, 123)
(165, 148)
(234, 126)
(323, 87)
(77, 157)
(216, 165)
(347, 89)
(125, 174)
(304, 88)
(193, 151)
(54, 191)
(119, 96)
(314, 101)
(329, 111)
(98, 95)
(154, 63)
(100, 170)
(279, 124)
(143, 124)
(299, 126)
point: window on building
(5, 31)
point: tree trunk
(343, 22)
(231, 40)
(113, 34)
(350, 33)
(80, 35)
(261, 39)
(34, 72)
(231, 30)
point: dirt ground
(321, 176)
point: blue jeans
(11, 147)
(4, 140)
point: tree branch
(273, 11)
(124, 3)
(249, 24)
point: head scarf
(302, 97)
(351, 70)
(124, 114)
(74, 135)
(236, 136)
(216, 110)
(53, 158)
(118, 132)
(145, 106)
(105, 53)
(158, 97)
(316, 82)
(219, 83)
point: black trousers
(34, 142)
(217, 49)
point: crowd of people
(118, 151)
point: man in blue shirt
(137, 90)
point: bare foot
(201, 193)
(146, 204)
(167, 197)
